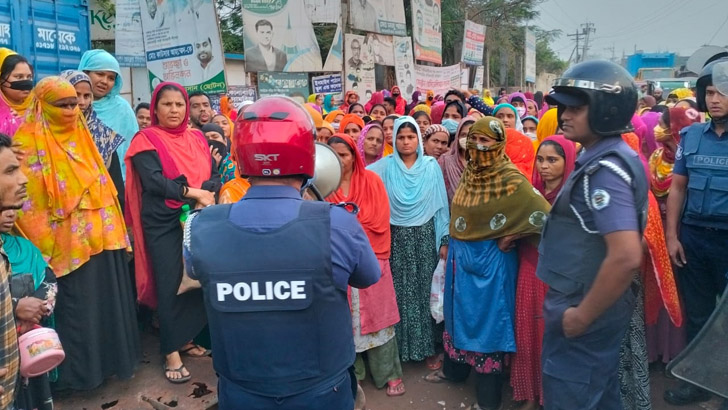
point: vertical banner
(129, 42)
(334, 61)
(529, 65)
(465, 77)
(381, 48)
(478, 80)
(294, 85)
(437, 79)
(404, 66)
(359, 67)
(278, 36)
(473, 43)
(182, 44)
(427, 31)
(378, 16)
(323, 11)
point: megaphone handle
(316, 192)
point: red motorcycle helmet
(275, 137)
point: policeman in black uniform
(591, 244)
(274, 271)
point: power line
(718, 31)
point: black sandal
(183, 379)
(192, 346)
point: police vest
(706, 202)
(570, 255)
(279, 325)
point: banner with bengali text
(427, 30)
(473, 43)
(437, 79)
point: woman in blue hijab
(419, 220)
(111, 108)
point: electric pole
(577, 35)
(587, 29)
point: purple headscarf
(649, 144)
(363, 136)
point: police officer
(274, 271)
(697, 217)
(591, 243)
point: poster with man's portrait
(427, 31)
(381, 48)
(182, 44)
(378, 16)
(404, 65)
(358, 67)
(279, 37)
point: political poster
(294, 85)
(437, 79)
(473, 43)
(359, 67)
(381, 48)
(478, 80)
(327, 84)
(427, 31)
(335, 59)
(404, 66)
(378, 16)
(323, 11)
(465, 77)
(102, 21)
(278, 36)
(529, 65)
(129, 38)
(182, 44)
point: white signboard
(473, 43)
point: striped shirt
(9, 358)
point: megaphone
(327, 172)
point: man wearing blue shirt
(696, 227)
(591, 244)
(275, 270)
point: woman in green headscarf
(33, 288)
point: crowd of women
(418, 170)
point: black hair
(378, 105)
(690, 102)
(409, 125)
(354, 105)
(460, 106)
(502, 89)
(141, 106)
(659, 108)
(538, 97)
(262, 23)
(457, 93)
(199, 93)
(339, 140)
(9, 65)
(390, 100)
(665, 117)
(557, 147)
(529, 119)
(5, 141)
(419, 114)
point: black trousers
(488, 387)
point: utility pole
(614, 57)
(577, 35)
(587, 29)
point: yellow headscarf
(422, 107)
(547, 126)
(487, 98)
(72, 210)
(681, 93)
(23, 106)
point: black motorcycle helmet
(704, 80)
(606, 87)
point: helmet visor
(720, 77)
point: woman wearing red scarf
(168, 165)
(555, 160)
(374, 309)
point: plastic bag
(437, 292)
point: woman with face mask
(73, 216)
(16, 83)
(482, 264)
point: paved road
(420, 395)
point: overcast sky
(681, 26)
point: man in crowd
(697, 217)
(12, 195)
(453, 95)
(591, 243)
(657, 93)
(142, 115)
(200, 109)
(390, 104)
(258, 299)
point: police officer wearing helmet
(591, 244)
(274, 271)
(696, 227)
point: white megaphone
(327, 172)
